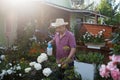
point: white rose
(47, 72)
(37, 66)
(9, 71)
(43, 57)
(10, 64)
(32, 63)
(27, 70)
(4, 72)
(20, 74)
(2, 57)
(59, 65)
(18, 67)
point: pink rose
(111, 65)
(115, 74)
(115, 58)
(104, 72)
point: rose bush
(112, 69)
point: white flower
(32, 63)
(14, 47)
(4, 72)
(87, 32)
(9, 71)
(84, 36)
(18, 68)
(103, 30)
(47, 72)
(20, 74)
(33, 38)
(59, 65)
(14, 67)
(27, 70)
(37, 66)
(10, 64)
(2, 57)
(43, 57)
(11, 67)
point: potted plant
(86, 64)
(96, 40)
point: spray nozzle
(49, 45)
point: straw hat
(59, 22)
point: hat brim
(58, 25)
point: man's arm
(72, 52)
(50, 42)
(68, 59)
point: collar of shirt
(65, 33)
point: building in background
(15, 15)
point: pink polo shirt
(64, 44)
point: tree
(110, 9)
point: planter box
(94, 46)
(87, 71)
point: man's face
(60, 29)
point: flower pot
(87, 71)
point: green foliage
(90, 57)
(116, 42)
(110, 9)
(76, 32)
(13, 59)
(116, 38)
(116, 49)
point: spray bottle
(49, 49)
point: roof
(71, 10)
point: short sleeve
(54, 38)
(72, 42)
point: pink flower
(104, 72)
(115, 58)
(111, 65)
(111, 68)
(115, 74)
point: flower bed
(27, 66)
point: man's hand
(50, 42)
(64, 64)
